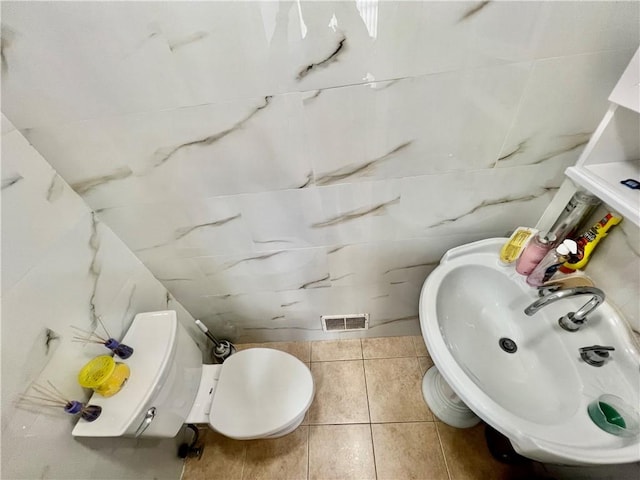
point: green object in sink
(611, 415)
(615, 416)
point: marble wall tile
(201, 227)
(122, 63)
(78, 270)
(5, 124)
(569, 28)
(393, 262)
(203, 151)
(302, 268)
(412, 126)
(557, 115)
(476, 201)
(147, 56)
(284, 219)
(37, 206)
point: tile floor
(368, 420)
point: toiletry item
(589, 240)
(552, 261)
(534, 252)
(574, 215)
(517, 242)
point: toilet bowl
(256, 393)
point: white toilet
(256, 393)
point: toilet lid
(259, 392)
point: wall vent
(345, 323)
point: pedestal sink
(524, 375)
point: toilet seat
(260, 393)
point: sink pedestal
(444, 403)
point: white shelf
(613, 152)
(603, 180)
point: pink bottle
(534, 252)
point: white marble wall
(615, 267)
(61, 266)
(271, 162)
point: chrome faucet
(572, 321)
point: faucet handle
(596, 354)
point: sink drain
(508, 345)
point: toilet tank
(165, 368)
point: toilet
(256, 393)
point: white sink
(538, 395)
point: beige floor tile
(341, 394)
(341, 452)
(192, 470)
(388, 347)
(408, 451)
(468, 457)
(284, 458)
(221, 455)
(301, 350)
(425, 364)
(336, 350)
(394, 389)
(420, 346)
(305, 420)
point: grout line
(366, 390)
(373, 423)
(444, 456)
(308, 451)
(373, 449)
(368, 358)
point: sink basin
(524, 375)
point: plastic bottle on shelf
(535, 251)
(572, 217)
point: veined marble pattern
(169, 55)
(264, 193)
(570, 112)
(63, 267)
(197, 152)
(421, 125)
(37, 206)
